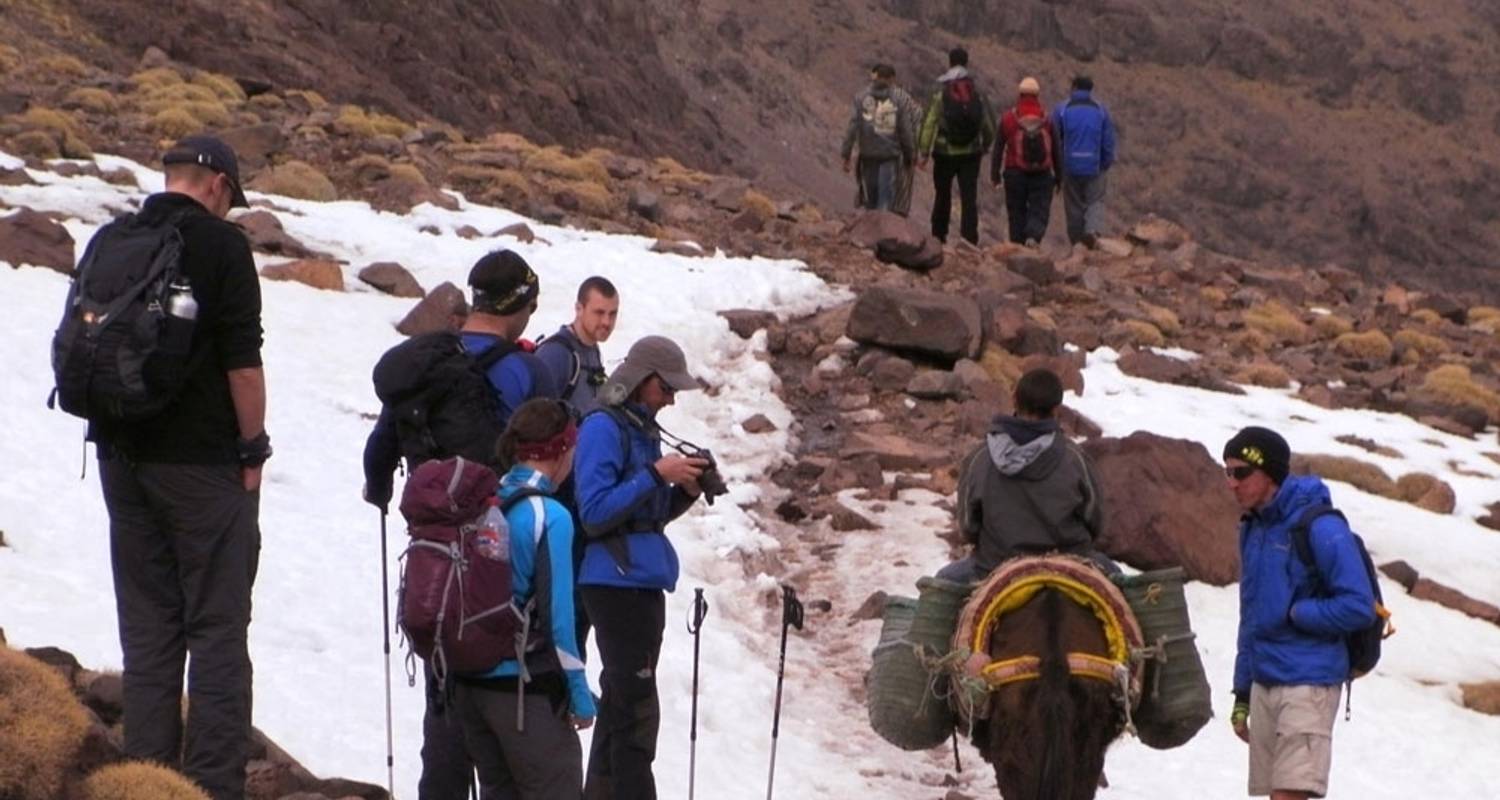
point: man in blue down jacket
(1294, 618)
(627, 492)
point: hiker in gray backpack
(182, 486)
(884, 133)
(1291, 656)
(1028, 489)
(572, 354)
(912, 113)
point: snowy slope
(316, 638)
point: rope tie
(1153, 594)
(948, 681)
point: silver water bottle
(182, 314)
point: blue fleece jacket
(1292, 623)
(1087, 135)
(624, 504)
(541, 559)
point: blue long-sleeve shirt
(541, 559)
(1087, 135)
(1294, 617)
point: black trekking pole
(791, 616)
(385, 606)
(700, 610)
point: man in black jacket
(183, 493)
(1027, 489)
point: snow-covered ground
(316, 638)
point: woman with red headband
(521, 718)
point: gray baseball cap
(656, 355)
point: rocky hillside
(1363, 135)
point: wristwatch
(254, 452)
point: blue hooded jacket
(545, 576)
(1087, 135)
(1290, 632)
(624, 504)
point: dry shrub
(1360, 474)
(175, 123)
(1276, 320)
(88, 98)
(356, 121)
(1264, 373)
(35, 144)
(1165, 319)
(590, 198)
(1416, 346)
(1252, 341)
(41, 728)
(505, 140)
(489, 185)
(1140, 333)
(48, 119)
(1331, 326)
(1426, 491)
(407, 173)
(225, 88)
(139, 780)
(312, 98)
(1452, 383)
(155, 78)
(295, 179)
(672, 173)
(64, 66)
(553, 161)
(1213, 295)
(1002, 366)
(368, 169)
(266, 102)
(9, 59)
(1484, 314)
(1426, 316)
(759, 204)
(157, 98)
(1367, 346)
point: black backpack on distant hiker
(120, 353)
(963, 114)
(441, 400)
(1364, 644)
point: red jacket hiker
(1009, 151)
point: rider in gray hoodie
(1028, 489)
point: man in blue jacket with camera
(627, 492)
(1294, 618)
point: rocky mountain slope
(1363, 133)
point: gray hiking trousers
(1083, 202)
(184, 547)
(543, 762)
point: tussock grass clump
(1426, 316)
(296, 179)
(1138, 333)
(670, 172)
(1366, 346)
(312, 98)
(225, 88)
(505, 187)
(266, 102)
(553, 161)
(368, 169)
(155, 78)
(1453, 383)
(48, 119)
(1483, 313)
(1252, 341)
(1214, 296)
(35, 144)
(1331, 326)
(406, 173)
(1415, 346)
(1264, 373)
(88, 98)
(139, 780)
(356, 121)
(583, 196)
(759, 204)
(1001, 365)
(1278, 321)
(62, 66)
(514, 142)
(1165, 319)
(60, 126)
(41, 728)
(175, 123)
(1360, 474)
(9, 59)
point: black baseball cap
(211, 152)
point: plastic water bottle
(492, 540)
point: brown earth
(1365, 136)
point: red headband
(551, 448)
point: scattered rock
(317, 273)
(890, 373)
(1033, 266)
(1119, 248)
(1168, 506)
(1400, 572)
(1158, 234)
(758, 424)
(845, 519)
(1492, 519)
(675, 248)
(1428, 589)
(254, 144)
(15, 177)
(645, 204)
(940, 325)
(443, 309)
(872, 608)
(1425, 491)
(467, 232)
(894, 452)
(392, 279)
(935, 384)
(33, 238)
(1483, 697)
(745, 322)
(266, 235)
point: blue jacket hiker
(1295, 617)
(627, 492)
(1086, 135)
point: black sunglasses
(1239, 473)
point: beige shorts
(1291, 738)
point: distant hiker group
(1033, 154)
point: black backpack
(963, 114)
(120, 354)
(440, 398)
(1364, 644)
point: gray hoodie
(1027, 490)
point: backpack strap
(1301, 534)
(570, 345)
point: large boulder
(896, 240)
(31, 237)
(317, 273)
(443, 309)
(268, 236)
(254, 144)
(1432, 591)
(1166, 504)
(943, 326)
(392, 279)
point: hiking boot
(1091, 241)
(1032, 243)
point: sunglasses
(1239, 473)
(665, 387)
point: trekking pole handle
(700, 612)
(791, 608)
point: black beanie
(503, 283)
(1263, 449)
